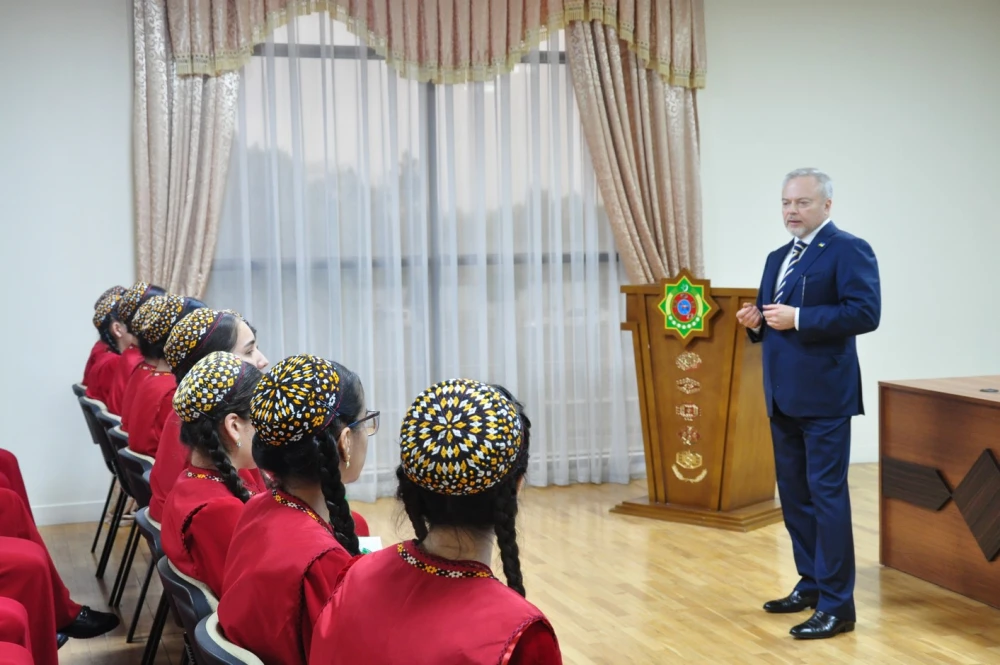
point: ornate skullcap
(460, 437)
(207, 385)
(189, 333)
(104, 307)
(114, 290)
(298, 397)
(130, 301)
(157, 316)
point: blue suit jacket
(814, 371)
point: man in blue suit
(818, 293)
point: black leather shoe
(820, 626)
(90, 623)
(796, 601)
(61, 640)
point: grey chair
(215, 649)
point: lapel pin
(822, 244)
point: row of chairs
(192, 604)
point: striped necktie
(797, 249)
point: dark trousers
(811, 456)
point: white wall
(900, 102)
(65, 231)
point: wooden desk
(939, 516)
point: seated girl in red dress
(198, 334)
(134, 298)
(113, 367)
(213, 401)
(153, 385)
(291, 543)
(100, 348)
(464, 453)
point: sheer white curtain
(416, 232)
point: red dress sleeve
(536, 645)
(207, 537)
(320, 581)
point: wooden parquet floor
(624, 590)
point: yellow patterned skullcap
(207, 385)
(188, 334)
(104, 308)
(114, 290)
(460, 437)
(157, 316)
(297, 397)
(130, 301)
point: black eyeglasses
(370, 422)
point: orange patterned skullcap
(207, 385)
(130, 301)
(157, 316)
(460, 437)
(189, 333)
(298, 397)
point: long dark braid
(203, 434)
(336, 494)
(504, 518)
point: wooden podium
(709, 459)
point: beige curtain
(642, 133)
(445, 41)
(182, 132)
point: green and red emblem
(686, 307)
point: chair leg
(104, 513)
(138, 605)
(109, 541)
(159, 621)
(125, 566)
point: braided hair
(203, 433)
(315, 458)
(495, 508)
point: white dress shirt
(788, 257)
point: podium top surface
(966, 388)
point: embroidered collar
(290, 501)
(412, 554)
(213, 475)
(203, 474)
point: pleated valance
(444, 41)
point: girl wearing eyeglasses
(291, 543)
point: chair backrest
(91, 408)
(109, 419)
(215, 649)
(94, 412)
(150, 530)
(79, 389)
(191, 599)
(119, 438)
(135, 470)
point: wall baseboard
(68, 513)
